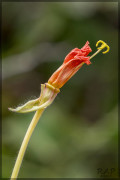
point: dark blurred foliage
(78, 133)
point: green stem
(26, 139)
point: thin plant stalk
(25, 142)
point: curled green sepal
(48, 94)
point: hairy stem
(26, 139)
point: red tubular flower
(72, 63)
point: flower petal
(86, 49)
(55, 74)
(69, 69)
(85, 59)
(71, 55)
(70, 65)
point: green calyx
(47, 96)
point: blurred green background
(78, 133)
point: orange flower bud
(72, 63)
